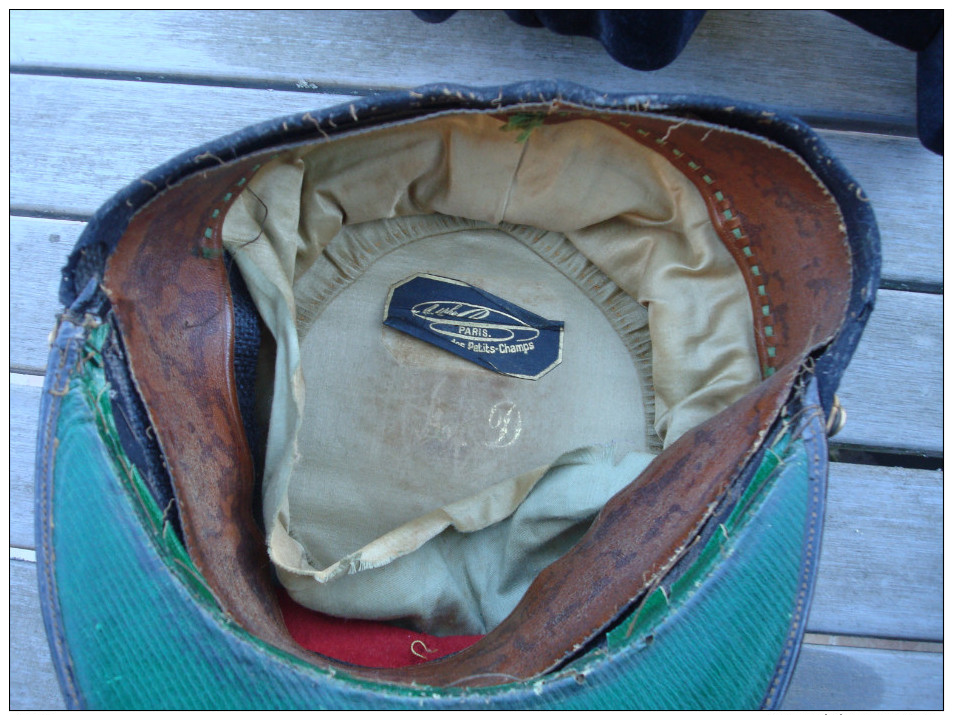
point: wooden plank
(880, 572)
(904, 183)
(101, 151)
(825, 678)
(38, 251)
(881, 564)
(834, 678)
(893, 386)
(782, 58)
(33, 683)
(24, 417)
(116, 131)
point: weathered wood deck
(97, 98)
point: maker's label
(476, 325)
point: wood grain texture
(38, 252)
(825, 678)
(781, 58)
(893, 385)
(833, 678)
(881, 564)
(77, 142)
(24, 417)
(904, 183)
(33, 683)
(73, 167)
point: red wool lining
(368, 643)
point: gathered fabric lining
(402, 483)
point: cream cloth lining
(636, 221)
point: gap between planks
(102, 152)
(25, 555)
(871, 642)
(857, 122)
(769, 56)
(30, 378)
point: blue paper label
(476, 325)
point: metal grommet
(837, 418)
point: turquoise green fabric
(142, 631)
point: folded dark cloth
(652, 39)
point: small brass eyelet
(837, 418)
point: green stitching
(737, 233)
(524, 124)
(205, 251)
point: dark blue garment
(652, 39)
(930, 94)
(922, 32)
(640, 39)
